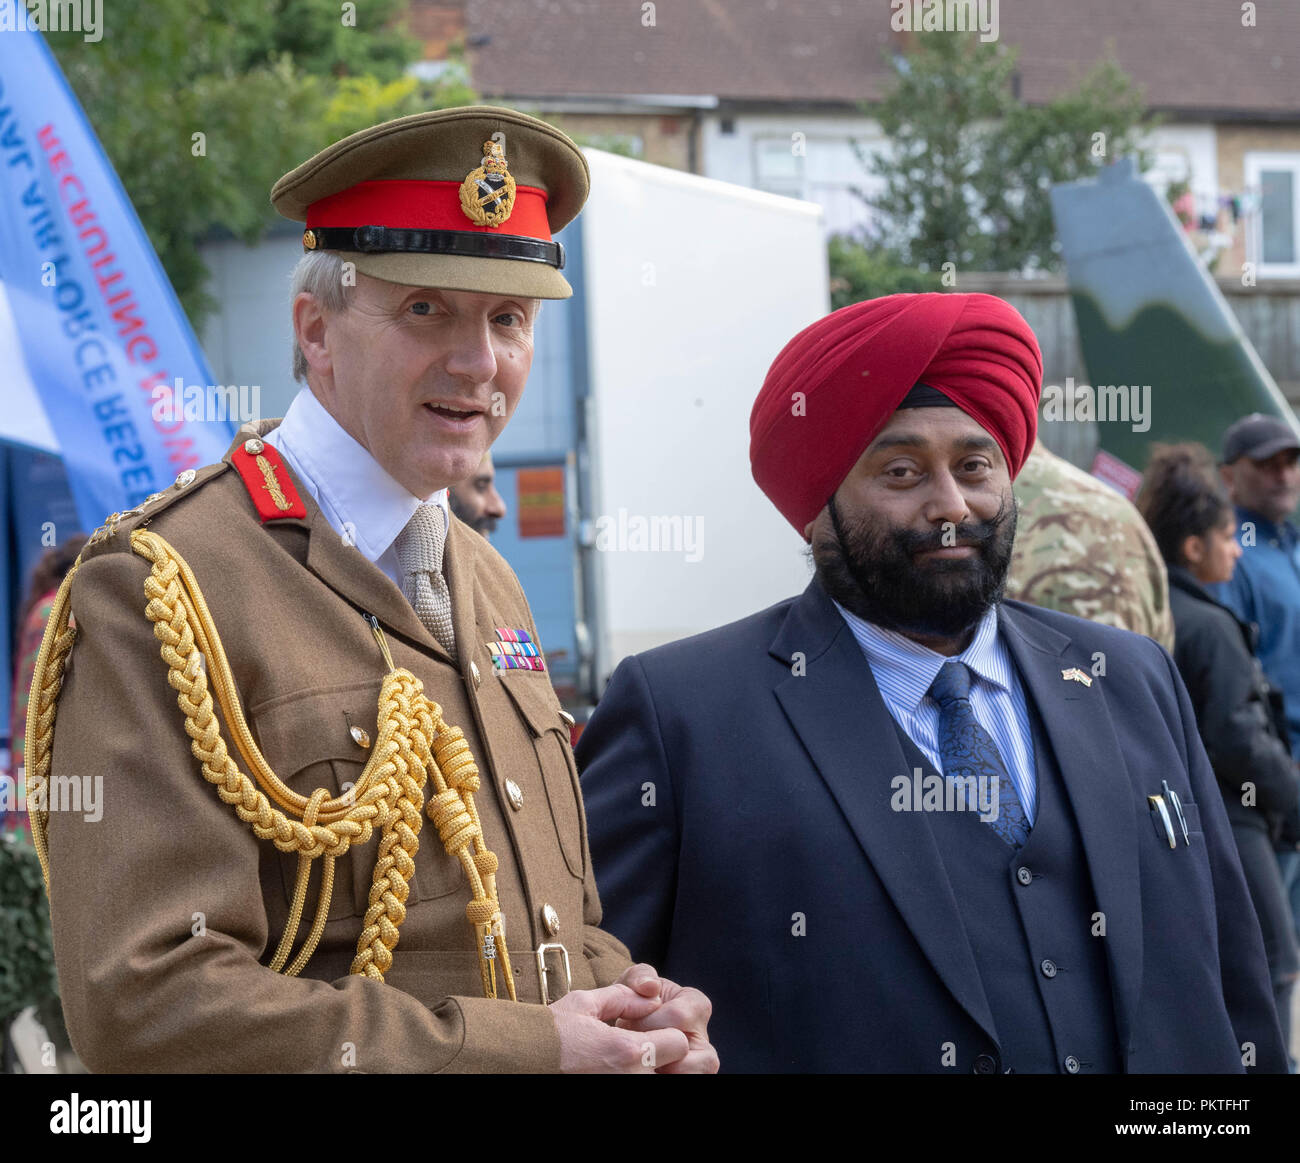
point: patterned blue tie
(966, 749)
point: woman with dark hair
(1238, 713)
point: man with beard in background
(476, 500)
(897, 824)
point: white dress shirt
(904, 670)
(362, 503)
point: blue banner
(115, 362)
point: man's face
(1269, 487)
(425, 379)
(918, 536)
(476, 501)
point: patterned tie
(967, 749)
(419, 558)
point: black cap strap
(466, 243)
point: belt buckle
(543, 972)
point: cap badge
(487, 195)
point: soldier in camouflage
(1083, 549)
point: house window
(825, 170)
(778, 166)
(1274, 237)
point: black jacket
(1239, 714)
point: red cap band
(415, 205)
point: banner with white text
(105, 342)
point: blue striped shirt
(904, 670)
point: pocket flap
(533, 695)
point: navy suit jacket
(743, 843)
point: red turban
(855, 366)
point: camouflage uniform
(1083, 549)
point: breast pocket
(309, 742)
(540, 709)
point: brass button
(473, 669)
(551, 919)
(253, 446)
(515, 794)
(309, 240)
(567, 717)
(185, 478)
(360, 735)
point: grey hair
(319, 273)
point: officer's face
(424, 379)
(918, 536)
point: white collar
(354, 491)
(909, 668)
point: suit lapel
(344, 568)
(462, 582)
(836, 710)
(1077, 719)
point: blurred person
(42, 991)
(1240, 720)
(1259, 465)
(1083, 549)
(476, 500)
(50, 569)
(785, 809)
(1260, 468)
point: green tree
(266, 83)
(968, 173)
(868, 271)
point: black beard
(872, 573)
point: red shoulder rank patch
(267, 481)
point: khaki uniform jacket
(168, 860)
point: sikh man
(313, 576)
(896, 824)
(476, 500)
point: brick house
(726, 88)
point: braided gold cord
(47, 682)
(390, 792)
